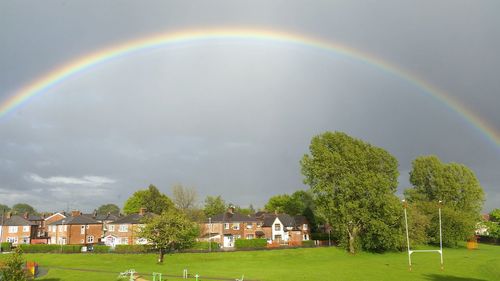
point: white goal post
(410, 251)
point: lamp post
(209, 234)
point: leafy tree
(457, 187)
(278, 203)
(108, 209)
(4, 208)
(184, 197)
(171, 230)
(21, 208)
(354, 184)
(245, 211)
(151, 199)
(14, 267)
(214, 205)
(495, 215)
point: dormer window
(277, 227)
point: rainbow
(78, 65)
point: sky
(233, 117)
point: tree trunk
(353, 234)
(160, 256)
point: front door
(228, 241)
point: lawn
(290, 264)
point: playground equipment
(440, 251)
(156, 275)
(129, 273)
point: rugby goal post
(410, 251)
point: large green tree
(354, 184)
(4, 208)
(108, 209)
(214, 205)
(151, 199)
(171, 230)
(21, 208)
(459, 190)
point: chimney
(26, 215)
(142, 211)
(75, 213)
(231, 209)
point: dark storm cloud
(235, 119)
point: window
(53, 228)
(124, 241)
(277, 237)
(26, 240)
(304, 227)
(249, 226)
(82, 229)
(65, 228)
(90, 239)
(306, 237)
(111, 228)
(13, 229)
(123, 228)
(87, 226)
(277, 227)
(12, 240)
(26, 228)
(250, 236)
(237, 236)
(60, 228)
(236, 226)
(226, 226)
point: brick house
(75, 229)
(17, 229)
(285, 229)
(225, 228)
(124, 230)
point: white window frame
(226, 225)
(304, 227)
(236, 226)
(12, 240)
(111, 227)
(250, 236)
(13, 229)
(124, 241)
(123, 228)
(277, 227)
(26, 228)
(90, 239)
(249, 226)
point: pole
(210, 234)
(440, 236)
(407, 236)
(329, 240)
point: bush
(101, 249)
(130, 249)
(202, 246)
(46, 248)
(250, 243)
(319, 236)
(308, 243)
(5, 247)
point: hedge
(5, 247)
(308, 243)
(130, 249)
(250, 243)
(101, 249)
(46, 248)
(319, 236)
(202, 246)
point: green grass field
(289, 264)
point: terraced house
(125, 230)
(17, 229)
(227, 227)
(75, 229)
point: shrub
(319, 236)
(130, 249)
(46, 248)
(250, 243)
(308, 243)
(5, 247)
(204, 246)
(101, 249)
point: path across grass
(292, 264)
